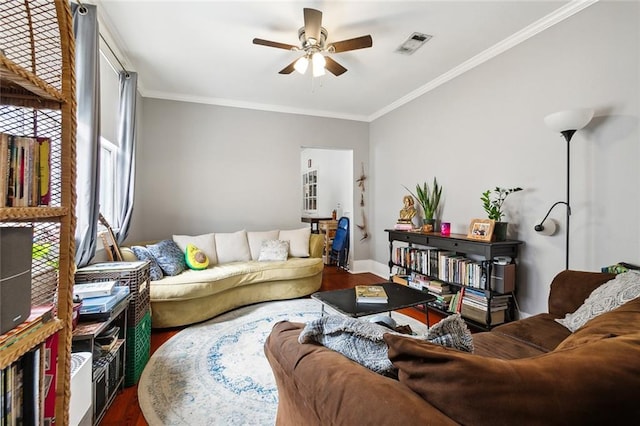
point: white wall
(203, 168)
(485, 129)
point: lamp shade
(318, 62)
(301, 65)
(574, 119)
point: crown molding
(526, 33)
(251, 105)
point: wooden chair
(109, 241)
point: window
(109, 103)
(108, 152)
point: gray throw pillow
(607, 297)
(142, 253)
(169, 257)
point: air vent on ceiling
(413, 43)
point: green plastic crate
(138, 349)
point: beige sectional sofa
(196, 295)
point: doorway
(327, 185)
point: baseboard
(370, 266)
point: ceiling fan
(313, 39)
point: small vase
(428, 225)
(500, 231)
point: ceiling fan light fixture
(301, 65)
(318, 61)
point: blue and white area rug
(216, 373)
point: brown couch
(531, 371)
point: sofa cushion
(298, 241)
(195, 284)
(205, 242)
(620, 321)
(608, 296)
(256, 239)
(539, 331)
(143, 253)
(559, 387)
(232, 247)
(274, 251)
(569, 289)
(169, 256)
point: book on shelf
(25, 171)
(103, 304)
(401, 279)
(50, 356)
(94, 289)
(619, 268)
(40, 314)
(370, 294)
(111, 266)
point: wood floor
(125, 409)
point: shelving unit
(458, 244)
(109, 368)
(37, 98)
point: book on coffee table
(371, 294)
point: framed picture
(481, 229)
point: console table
(459, 246)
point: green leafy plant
(492, 201)
(429, 198)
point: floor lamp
(566, 123)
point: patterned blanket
(362, 341)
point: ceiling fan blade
(288, 69)
(351, 44)
(334, 67)
(274, 44)
(312, 23)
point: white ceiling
(202, 51)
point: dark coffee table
(400, 296)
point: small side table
(313, 221)
(327, 229)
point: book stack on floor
(475, 306)
(370, 294)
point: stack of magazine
(99, 299)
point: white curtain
(85, 30)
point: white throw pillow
(205, 242)
(607, 297)
(232, 247)
(298, 241)
(256, 239)
(274, 251)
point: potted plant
(429, 199)
(492, 201)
